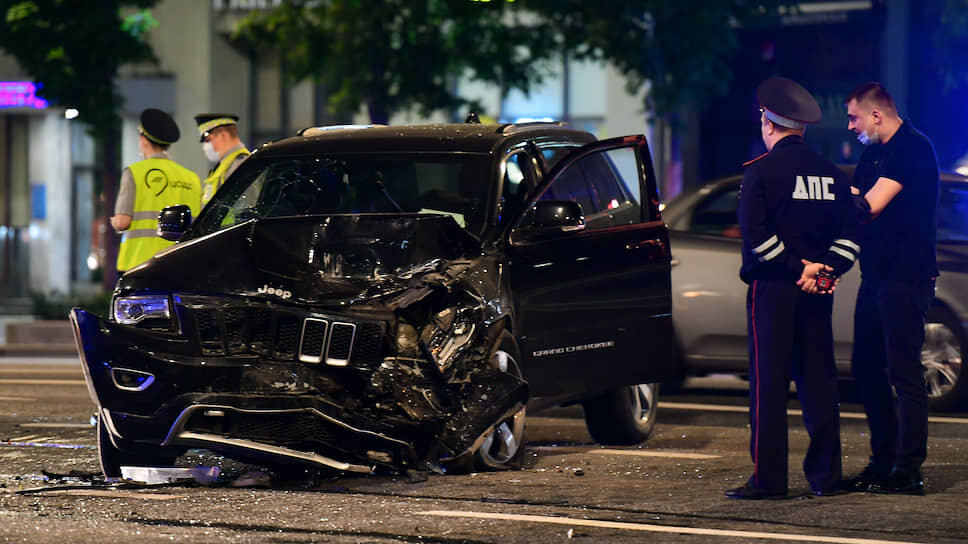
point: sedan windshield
(352, 184)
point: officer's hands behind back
(808, 278)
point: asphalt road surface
(669, 489)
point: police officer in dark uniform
(797, 217)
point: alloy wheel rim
(503, 443)
(940, 359)
(644, 402)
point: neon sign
(20, 94)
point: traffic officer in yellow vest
(222, 147)
(147, 187)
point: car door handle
(645, 244)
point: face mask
(868, 138)
(210, 153)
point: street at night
(483, 271)
(669, 489)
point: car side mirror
(173, 221)
(549, 216)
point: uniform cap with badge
(787, 103)
(207, 122)
(158, 127)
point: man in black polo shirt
(898, 178)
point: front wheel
(503, 446)
(941, 360)
(623, 416)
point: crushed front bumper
(158, 390)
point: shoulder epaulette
(751, 161)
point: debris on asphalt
(162, 475)
(73, 476)
(253, 478)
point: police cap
(787, 103)
(158, 127)
(210, 121)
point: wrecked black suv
(392, 297)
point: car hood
(333, 260)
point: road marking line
(745, 409)
(111, 494)
(656, 528)
(42, 382)
(653, 453)
(46, 445)
(56, 425)
(566, 450)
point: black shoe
(749, 492)
(900, 482)
(871, 475)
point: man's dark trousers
(888, 335)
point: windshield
(449, 184)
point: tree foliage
(951, 41)
(75, 49)
(677, 49)
(396, 54)
(391, 55)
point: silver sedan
(709, 300)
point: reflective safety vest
(158, 183)
(217, 177)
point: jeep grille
(282, 334)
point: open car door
(597, 295)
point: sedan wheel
(941, 360)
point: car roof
(427, 138)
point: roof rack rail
(313, 131)
(521, 127)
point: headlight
(152, 309)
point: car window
(716, 215)
(953, 213)
(605, 184)
(518, 183)
(552, 155)
(454, 185)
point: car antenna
(472, 118)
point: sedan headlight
(152, 310)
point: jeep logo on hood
(266, 290)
